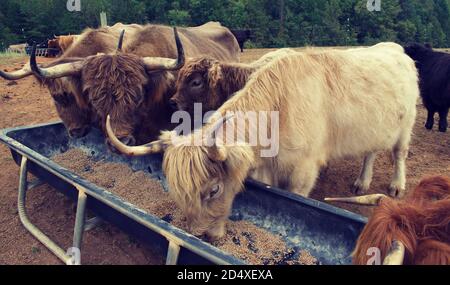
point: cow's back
(338, 103)
(208, 40)
(102, 40)
(220, 37)
(366, 99)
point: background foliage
(275, 23)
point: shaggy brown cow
(135, 84)
(420, 224)
(70, 103)
(211, 82)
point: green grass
(8, 57)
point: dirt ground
(27, 103)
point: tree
(274, 23)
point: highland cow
(420, 225)
(330, 106)
(73, 108)
(242, 36)
(434, 71)
(134, 82)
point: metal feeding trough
(327, 232)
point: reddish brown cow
(65, 42)
(54, 44)
(62, 43)
(420, 225)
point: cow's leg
(303, 178)
(400, 153)
(263, 174)
(364, 180)
(443, 123)
(430, 119)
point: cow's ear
(218, 153)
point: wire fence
(45, 52)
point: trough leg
(172, 253)
(79, 220)
(364, 180)
(92, 223)
(37, 233)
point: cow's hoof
(396, 192)
(429, 126)
(359, 188)
(443, 129)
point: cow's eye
(215, 191)
(196, 83)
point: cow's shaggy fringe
(421, 222)
(222, 80)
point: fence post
(103, 19)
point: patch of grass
(8, 57)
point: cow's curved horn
(154, 147)
(161, 63)
(16, 75)
(396, 255)
(58, 71)
(368, 200)
(119, 46)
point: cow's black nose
(173, 104)
(79, 132)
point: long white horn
(154, 147)
(58, 71)
(16, 75)
(396, 255)
(368, 200)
